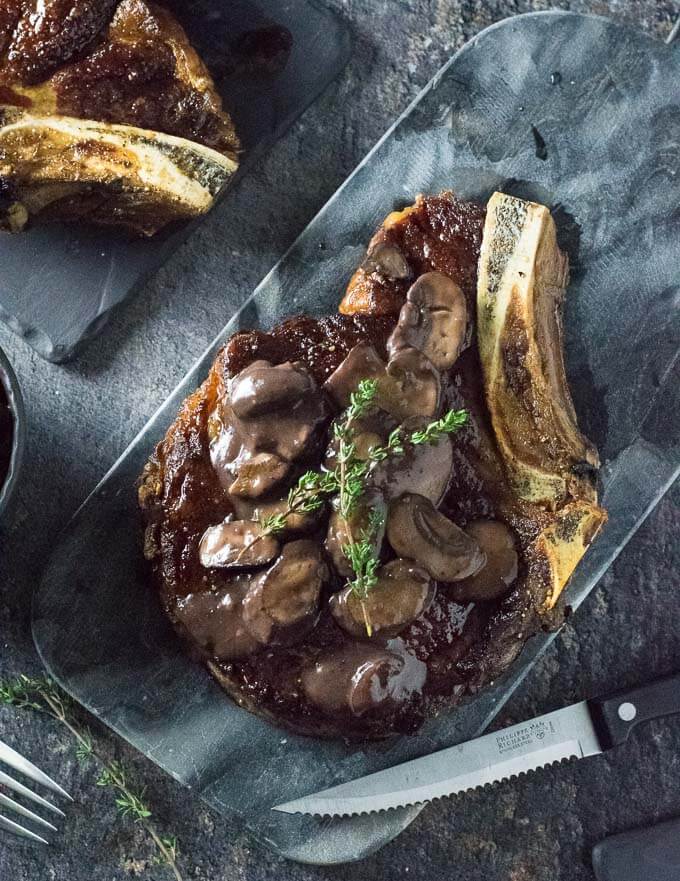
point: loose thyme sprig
(43, 696)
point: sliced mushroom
(273, 416)
(411, 386)
(341, 531)
(259, 475)
(424, 469)
(416, 530)
(387, 260)
(494, 579)
(282, 603)
(214, 621)
(408, 385)
(362, 362)
(261, 388)
(433, 319)
(290, 422)
(402, 593)
(363, 679)
(236, 544)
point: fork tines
(18, 763)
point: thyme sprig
(393, 447)
(362, 553)
(128, 802)
(360, 401)
(43, 696)
(448, 424)
(307, 496)
(350, 471)
(315, 487)
(346, 483)
(364, 560)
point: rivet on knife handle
(615, 715)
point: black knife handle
(615, 715)
(651, 854)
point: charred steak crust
(35, 44)
(437, 233)
(453, 647)
(120, 61)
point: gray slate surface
(82, 416)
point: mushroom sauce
(272, 617)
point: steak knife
(584, 729)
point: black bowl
(10, 386)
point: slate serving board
(59, 283)
(601, 98)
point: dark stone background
(82, 416)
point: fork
(10, 757)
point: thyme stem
(21, 694)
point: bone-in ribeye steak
(108, 114)
(480, 534)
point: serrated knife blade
(563, 734)
(584, 729)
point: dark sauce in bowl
(12, 433)
(6, 435)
